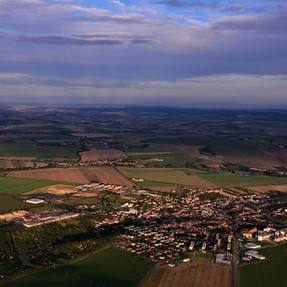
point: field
(109, 268)
(166, 175)
(169, 159)
(30, 149)
(271, 272)
(200, 273)
(101, 154)
(9, 203)
(154, 177)
(8, 163)
(233, 180)
(14, 186)
(157, 186)
(58, 189)
(266, 188)
(107, 175)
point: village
(172, 227)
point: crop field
(107, 175)
(267, 188)
(57, 189)
(109, 268)
(30, 149)
(169, 159)
(220, 145)
(10, 164)
(9, 203)
(157, 177)
(14, 186)
(158, 186)
(233, 180)
(270, 272)
(167, 175)
(101, 154)
(266, 160)
(200, 273)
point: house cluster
(269, 233)
(96, 187)
(172, 243)
(168, 227)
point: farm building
(35, 201)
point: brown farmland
(20, 164)
(200, 273)
(107, 175)
(101, 154)
(267, 188)
(57, 189)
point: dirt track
(200, 273)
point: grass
(108, 268)
(271, 272)
(9, 203)
(14, 186)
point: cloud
(219, 90)
(189, 4)
(274, 23)
(62, 45)
(87, 40)
(60, 40)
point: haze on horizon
(150, 52)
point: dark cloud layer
(85, 40)
(59, 40)
(145, 51)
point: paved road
(235, 261)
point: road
(235, 260)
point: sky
(144, 52)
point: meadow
(271, 272)
(108, 268)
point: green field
(269, 273)
(169, 160)
(14, 186)
(233, 180)
(9, 203)
(166, 175)
(218, 144)
(30, 149)
(196, 178)
(111, 267)
(155, 185)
